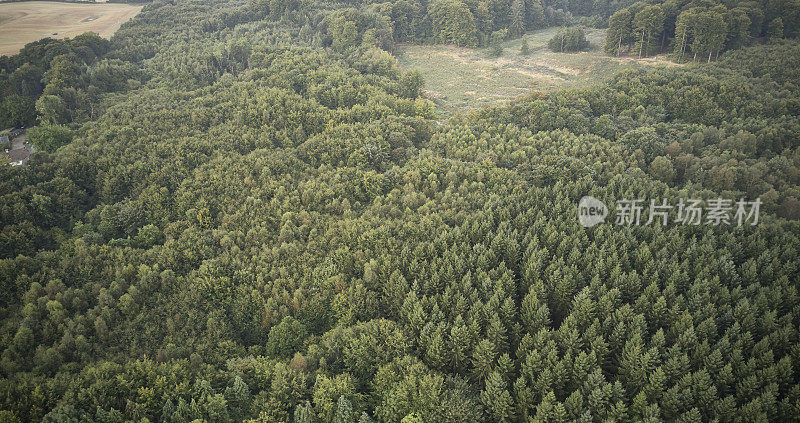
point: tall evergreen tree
(775, 30)
(238, 398)
(497, 400)
(304, 413)
(517, 18)
(344, 411)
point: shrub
(568, 39)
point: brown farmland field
(25, 22)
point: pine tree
(238, 397)
(194, 410)
(435, 352)
(775, 30)
(524, 49)
(412, 418)
(573, 405)
(303, 413)
(534, 15)
(632, 368)
(550, 410)
(496, 333)
(497, 400)
(483, 359)
(523, 398)
(167, 411)
(344, 411)
(185, 412)
(517, 18)
(496, 42)
(459, 343)
(535, 314)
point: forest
(247, 211)
(699, 28)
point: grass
(460, 78)
(25, 22)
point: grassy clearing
(25, 22)
(460, 78)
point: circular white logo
(591, 211)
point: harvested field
(25, 22)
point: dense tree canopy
(253, 216)
(696, 30)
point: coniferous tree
(517, 18)
(496, 399)
(303, 413)
(238, 398)
(167, 411)
(775, 30)
(344, 411)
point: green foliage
(517, 18)
(619, 31)
(349, 28)
(524, 48)
(410, 84)
(453, 23)
(258, 219)
(285, 337)
(412, 418)
(53, 67)
(303, 413)
(50, 138)
(661, 168)
(17, 111)
(568, 40)
(496, 399)
(775, 30)
(495, 42)
(344, 411)
(694, 30)
(648, 24)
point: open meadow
(25, 22)
(463, 78)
